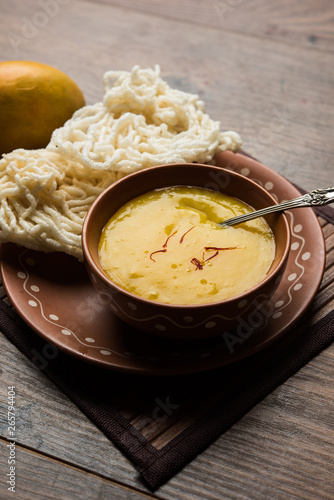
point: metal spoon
(316, 197)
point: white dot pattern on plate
(245, 171)
(298, 228)
(298, 286)
(90, 340)
(21, 275)
(34, 288)
(306, 256)
(292, 276)
(32, 303)
(279, 303)
(30, 261)
(277, 315)
(132, 306)
(105, 353)
(210, 324)
(269, 185)
(295, 245)
(188, 319)
(66, 332)
(54, 317)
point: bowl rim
(90, 262)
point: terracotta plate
(53, 294)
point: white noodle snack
(45, 198)
(141, 122)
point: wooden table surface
(266, 70)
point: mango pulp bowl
(194, 321)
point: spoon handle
(316, 197)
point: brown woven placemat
(162, 423)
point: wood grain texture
(305, 22)
(266, 70)
(42, 478)
(72, 438)
(277, 95)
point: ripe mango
(35, 99)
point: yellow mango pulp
(166, 246)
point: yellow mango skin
(163, 246)
(35, 99)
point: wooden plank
(305, 22)
(283, 424)
(40, 477)
(278, 97)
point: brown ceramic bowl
(182, 321)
